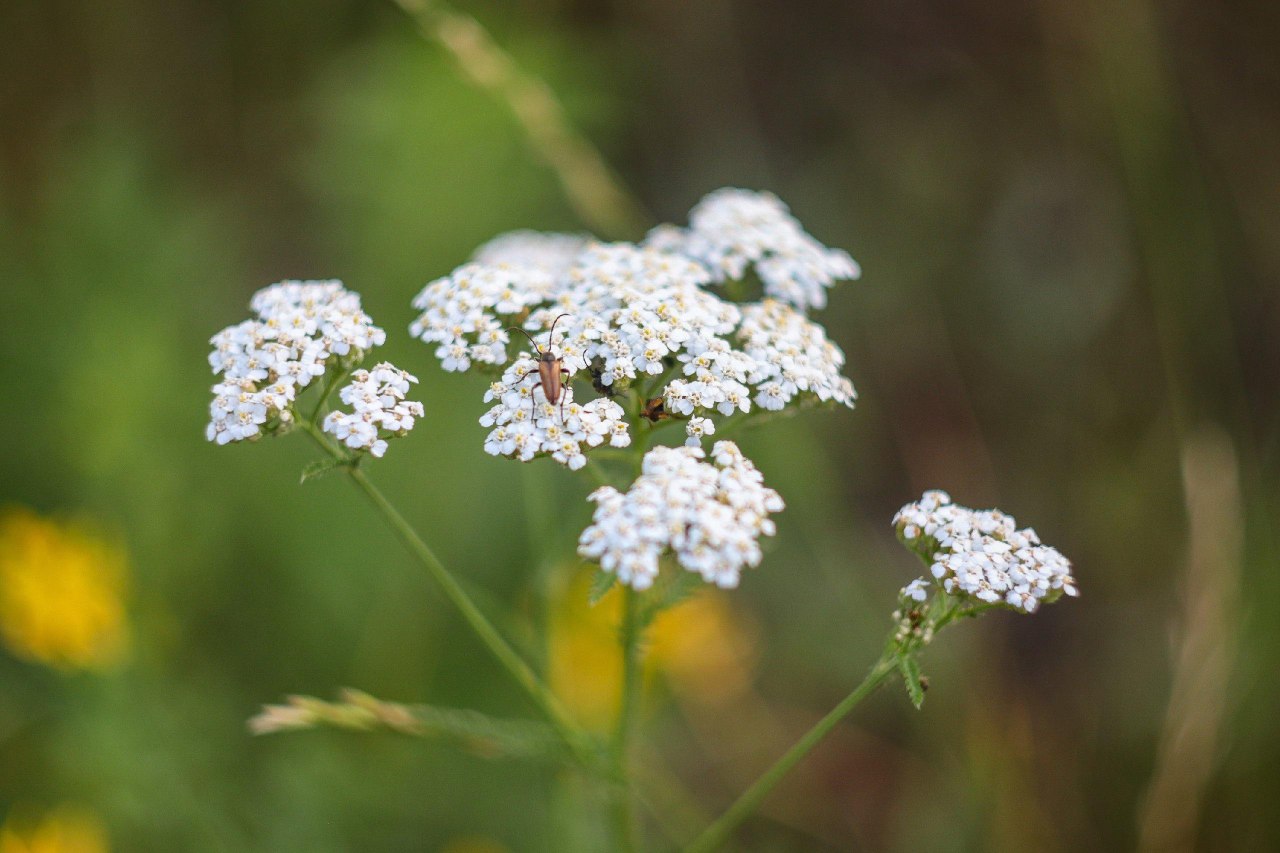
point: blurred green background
(1068, 219)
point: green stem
(598, 473)
(541, 695)
(332, 383)
(718, 832)
(629, 637)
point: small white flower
(299, 329)
(380, 410)
(710, 515)
(696, 429)
(917, 590)
(982, 554)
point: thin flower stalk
(718, 832)
(574, 737)
(629, 637)
(980, 561)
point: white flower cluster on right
(709, 514)
(377, 397)
(982, 554)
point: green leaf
(321, 467)
(911, 677)
(600, 586)
(672, 588)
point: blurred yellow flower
(61, 593)
(585, 664)
(66, 829)
(702, 646)
(705, 648)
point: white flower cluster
(791, 354)
(709, 515)
(981, 553)
(299, 328)
(629, 308)
(630, 314)
(467, 312)
(377, 398)
(551, 253)
(732, 229)
(525, 424)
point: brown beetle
(550, 370)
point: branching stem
(576, 739)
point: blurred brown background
(1068, 219)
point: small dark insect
(597, 381)
(654, 411)
(550, 370)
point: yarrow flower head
(733, 229)
(710, 515)
(645, 320)
(981, 554)
(300, 328)
(379, 409)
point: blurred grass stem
(1205, 648)
(718, 832)
(593, 189)
(574, 737)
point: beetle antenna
(537, 349)
(551, 334)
